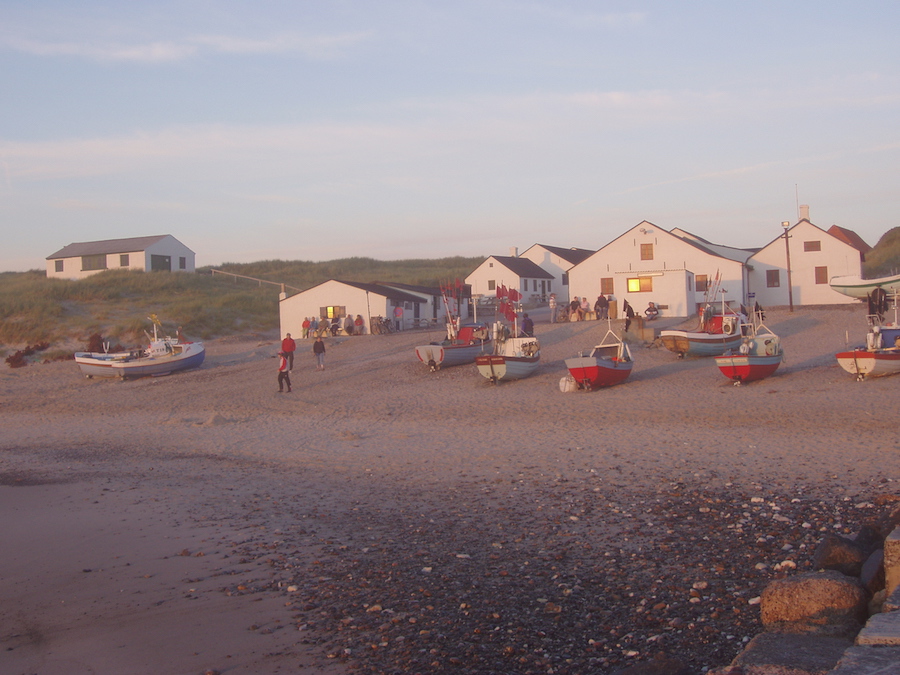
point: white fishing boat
(880, 355)
(857, 287)
(163, 356)
(513, 358)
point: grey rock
(791, 654)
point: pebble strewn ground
(568, 576)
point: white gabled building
(532, 281)
(161, 253)
(341, 298)
(676, 270)
(815, 257)
(557, 261)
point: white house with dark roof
(161, 253)
(526, 276)
(675, 269)
(557, 261)
(334, 298)
(815, 257)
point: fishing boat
(163, 356)
(513, 358)
(604, 365)
(881, 354)
(758, 356)
(857, 287)
(720, 329)
(462, 345)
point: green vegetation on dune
(884, 259)
(302, 274)
(116, 303)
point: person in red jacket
(288, 346)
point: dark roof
(386, 291)
(849, 237)
(523, 267)
(427, 290)
(106, 246)
(571, 255)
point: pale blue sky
(318, 130)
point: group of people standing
(579, 308)
(286, 360)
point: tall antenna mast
(797, 197)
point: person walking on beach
(284, 373)
(319, 351)
(305, 326)
(629, 314)
(398, 317)
(552, 304)
(288, 346)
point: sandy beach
(381, 518)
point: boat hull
(591, 372)
(496, 367)
(855, 287)
(747, 368)
(93, 364)
(687, 343)
(870, 363)
(437, 356)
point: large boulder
(662, 664)
(872, 575)
(790, 654)
(816, 602)
(841, 554)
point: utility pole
(787, 251)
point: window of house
(606, 285)
(534, 285)
(646, 251)
(565, 279)
(492, 285)
(773, 278)
(701, 283)
(59, 265)
(332, 311)
(93, 262)
(812, 245)
(821, 275)
(640, 284)
(182, 263)
(123, 260)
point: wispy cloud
(318, 47)
(152, 52)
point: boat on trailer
(880, 355)
(513, 358)
(163, 356)
(758, 356)
(605, 365)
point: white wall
(672, 272)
